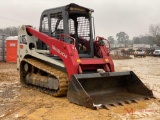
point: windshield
(80, 29)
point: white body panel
(24, 40)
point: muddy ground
(19, 103)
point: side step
(100, 90)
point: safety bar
(98, 38)
(73, 39)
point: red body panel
(69, 55)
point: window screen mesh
(71, 27)
(83, 28)
(45, 27)
(56, 25)
(82, 35)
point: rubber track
(60, 75)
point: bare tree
(122, 37)
(111, 39)
(147, 39)
(10, 31)
(155, 32)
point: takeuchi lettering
(60, 52)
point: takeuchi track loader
(65, 58)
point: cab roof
(67, 7)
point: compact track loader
(65, 58)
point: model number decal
(60, 52)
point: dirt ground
(19, 103)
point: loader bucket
(99, 90)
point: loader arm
(67, 52)
(69, 55)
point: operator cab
(73, 20)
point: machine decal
(23, 39)
(60, 52)
(77, 9)
(106, 60)
(78, 60)
(21, 46)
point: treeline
(9, 31)
(147, 39)
(152, 38)
(121, 37)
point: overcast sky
(111, 16)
